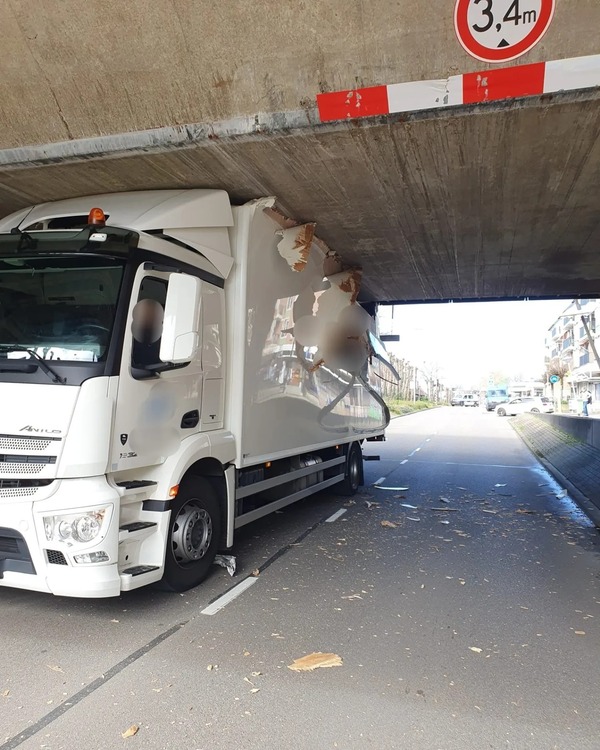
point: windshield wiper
(41, 362)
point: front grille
(8, 458)
(20, 443)
(14, 469)
(55, 557)
(14, 554)
(21, 487)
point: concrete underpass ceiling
(491, 202)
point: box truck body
(171, 368)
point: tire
(354, 471)
(194, 535)
(501, 412)
(535, 411)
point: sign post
(499, 30)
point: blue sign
(554, 378)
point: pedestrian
(587, 401)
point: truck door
(154, 411)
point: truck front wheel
(354, 471)
(194, 534)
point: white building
(568, 342)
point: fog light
(91, 557)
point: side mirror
(180, 336)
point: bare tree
(560, 368)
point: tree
(560, 368)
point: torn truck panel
(294, 247)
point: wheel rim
(192, 534)
(501, 412)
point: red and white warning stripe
(470, 88)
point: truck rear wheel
(354, 472)
(194, 534)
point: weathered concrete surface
(76, 68)
(496, 201)
(491, 201)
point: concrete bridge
(452, 187)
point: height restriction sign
(500, 30)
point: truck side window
(147, 322)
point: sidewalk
(572, 460)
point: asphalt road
(471, 627)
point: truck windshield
(60, 307)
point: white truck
(172, 367)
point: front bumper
(28, 561)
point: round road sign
(500, 30)
(554, 378)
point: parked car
(524, 404)
(457, 401)
(471, 399)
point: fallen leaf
(55, 669)
(131, 732)
(256, 674)
(370, 505)
(314, 661)
(447, 523)
(114, 621)
(210, 667)
(389, 524)
(256, 572)
(5, 693)
(526, 512)
(475, 649)
(255, 690)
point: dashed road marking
(404, 462)
(379, 481)
(229, 596)
(336, 515)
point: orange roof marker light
(96, 217)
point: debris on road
(562, 494)
(226, 561)
(476, 649)
(370, 505)
(256, 572)
(314, 661)
(407, 505)
(130, 732)
(444, 500)
(580, 632)
(493, 512)
(5, 693)
(411, 518)
(499, 485)
(526, 512)
(389, 525)
(446, 510)
(445, 522)
(55, 668)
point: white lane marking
(336, 515)
(404, 462)
(380, 480)
(229, 596)
(428, 439)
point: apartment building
(568, 341)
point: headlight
(82, 527)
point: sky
(470, 340)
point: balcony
(567, 345)
(584, 359)
(567, 324)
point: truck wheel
(194, 534)
(354, 470)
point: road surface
(470, 621)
